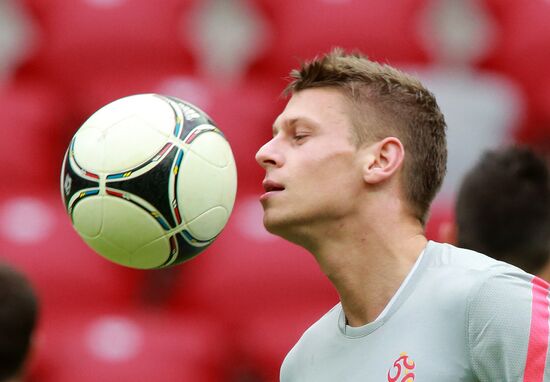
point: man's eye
(299, 137)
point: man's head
(503, 208)
(341, 104)
(386, 102)
(18, 315)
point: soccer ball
(149, 181)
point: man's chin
(275, 225)
(283, 227)
(272, 225)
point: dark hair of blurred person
(503, 208)
(18, 316)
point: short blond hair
(386, 102)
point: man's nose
(267, 155)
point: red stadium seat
(32, 117)
(441, 218)
(36, 236)
(85, 46)
(129, 345)
(522, 51)
(385, 31)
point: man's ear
(384, 158)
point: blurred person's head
(18, 316)
(503, 208)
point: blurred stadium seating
(234, 312)
(33, 116)
(94, 344)
(521, 52)
(97, 51)
(385, 30)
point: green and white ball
(149, 181)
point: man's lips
(270, 188)
(270, 185)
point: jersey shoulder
(442, 254)
(473, 279)
(508, 313)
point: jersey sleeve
(508, 329)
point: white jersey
(458, 316)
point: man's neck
(368, 266)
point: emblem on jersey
(402, 369)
